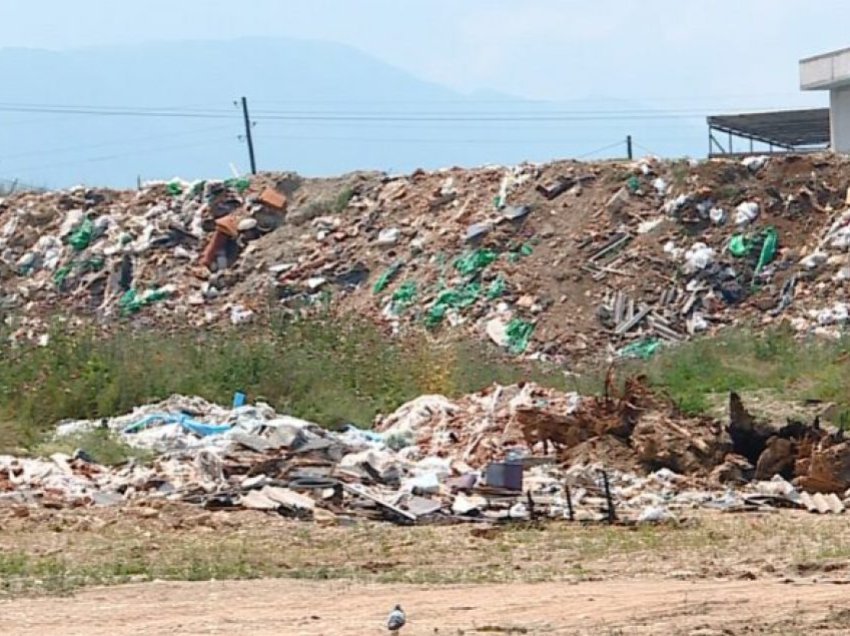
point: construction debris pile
(510, 452)
(559, 260)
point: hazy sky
(680, 59)
(670, 52)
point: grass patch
(745, 360)
(329, 371)
(343, 199)
(57, 552)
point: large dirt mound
(556, 259)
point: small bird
(397, 619)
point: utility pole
(629, 146)
(248, 136)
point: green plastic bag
(404, 296)
(93, 264)
(197, 188)
(472, 263)
(131, 302)
(633, 184)
(458, 298)
(768, 248)
(642, 349)
(81, 238)
(405, 293)
(740, 246)
(519, 335)
(174, 188)
(240, 185)
(386, 278)
(496, 288)
(434, 316)
(61, 275)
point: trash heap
(510, 452)
(564, 260)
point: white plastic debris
(388, 236)
(655, 514)
(754, 164)
(660, 186)
(837, 314)
(718, 216)
(746, 212)
(698, 257)
(672, 207)
(814, 260)
(646, 227)
(240, 314)
(674, 251)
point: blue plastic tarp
(157, 419)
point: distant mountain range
(372, 115)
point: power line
(598, 150)
(64, 149)
(122, 155)
(531, 100)
(441, 140)
(647, 150)
(118, 113)
(326, 116)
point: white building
(831, 72)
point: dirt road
(307, 608)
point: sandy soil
(295, 607)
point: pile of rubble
(510, 452)
(556, 260)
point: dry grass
(61, 551)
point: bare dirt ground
(176, 570)
(313, 608)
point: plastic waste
(645, 227)
(642, 349)
(81, 238)
(655, 514)
(740, 246)
(131, 302)
(496, 288)
(198, 428)
(814, 260)
(388, 236)
(386, 278)
(240, 314)
(474, 262)
(404, 295)
(837, 314)
(633, 184)
(718, 216)
(673, 207)
(457, 298)
(754, 164)
(519, 334)
(239, 184)
(768, 249)
(698, 257)
(746, 212)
